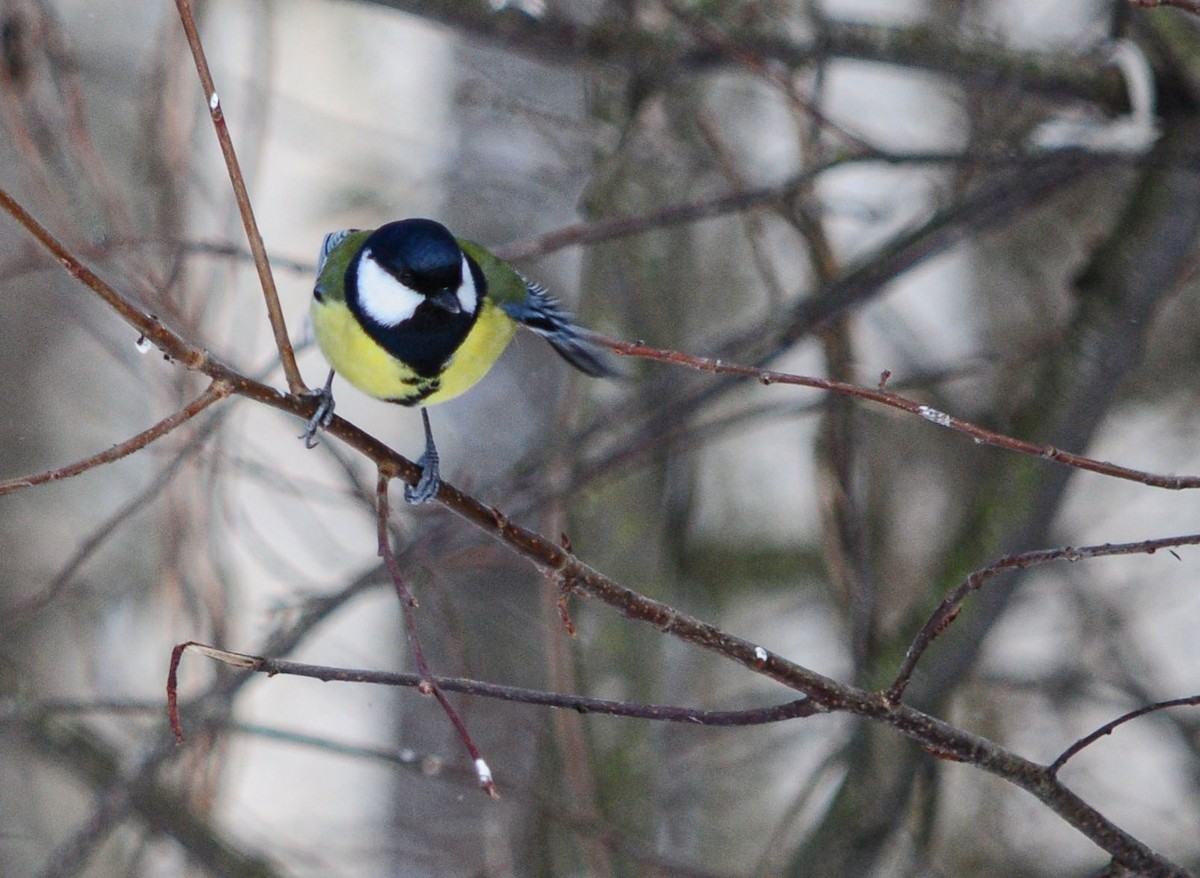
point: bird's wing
(542, 313)
(337, 250)
(530, 305)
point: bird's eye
(407, 277)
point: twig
(174, 345)
(581, 704)
(148, 325)
(1109, 727)
(948, 609)
(242, 197)
(981, 435)
(426, 685)
(215, 391)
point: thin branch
(274, 311)
(215, 391)
(139, 502)
(950, 606)
(426, 684)
(174, 345)
(1109, 727)
(581, 704)
(662, 54)
(714, 38)
(597, 231)
(981, 435)
(148, 325)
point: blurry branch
(1007, 195)
(216, 391)
(711, 36)
(274, 311)
(159, 808)
(948, 610)
(16, 616)
(660, 55)
(64, 70)
(123, 787)
(782, 194)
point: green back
(505, 286)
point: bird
(410, 314)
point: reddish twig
(242, 197)
(948, 609)
(981, 435)
(217, 390)
(1109, 727)
(426, 684)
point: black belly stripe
(424, 389)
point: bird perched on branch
(410, 314)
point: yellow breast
(360, 360)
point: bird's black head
(414, 291)
(420, 253)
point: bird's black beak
(447, 300)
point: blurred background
(844, 189)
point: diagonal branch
(949, 608)
(981, 435)
(215, 392)
(426, 683)
(242, 197)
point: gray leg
(322, 416)
(427, 487)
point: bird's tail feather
(542, 313)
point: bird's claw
(427, 486)
(322, 417)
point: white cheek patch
(468, 296)
(381, 297)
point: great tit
(409, 314)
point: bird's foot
(322, 416)
(427, 486)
